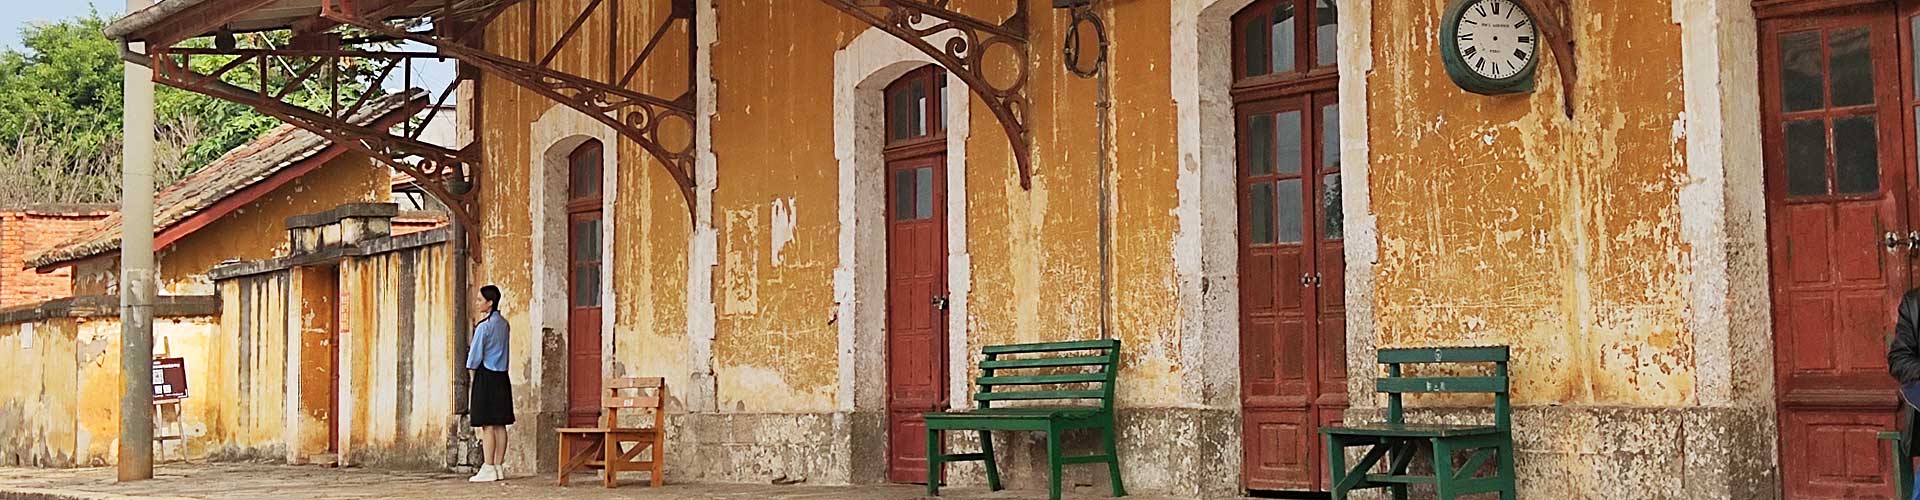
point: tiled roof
(233, 172)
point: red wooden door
(1292, 307)
(584, 233)
(1291, 261)
(916, 270)
(1836, 142)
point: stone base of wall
(1640, 453)
(270, 454)
(1178, 451)
(463, 452)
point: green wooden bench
(1902, 465)
(1398, 442)
(1056, 372)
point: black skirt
(492, 399)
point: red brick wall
(23, 234)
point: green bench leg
(1401, 455)
(993, 471)
(1902, 466)
(1507, 476)
(1053, 463)
(1443, 470)
(1337, 465)
(1113, 461)
(935, 460)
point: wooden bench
(1398, 441)
(607, 445)
(1085, 373)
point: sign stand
(167, 425)
(169, 389)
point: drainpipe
(1082, 14)
(136, 270)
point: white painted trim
(702, 240)
(1723, 204)
(1362, 242)
(295, 361)
(1205, 247)
(861, 71)
(559, 130)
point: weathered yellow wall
(96, 344)
(775, 341)
(37, 404)
(255, 231)
(402, 379)
(249, 372)
(649, 226)
(1503, 222)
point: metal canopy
(333, 35)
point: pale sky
(15, 14)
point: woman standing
(491, 408)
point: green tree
(60, 113)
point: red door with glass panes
(916, 268)
(1837, 105)
(584, 233)
(1292, 294)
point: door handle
(1913, 240)
(1890, 240)
(939, 302)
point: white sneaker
(500, 472)
(487, 474)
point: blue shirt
(489, 349)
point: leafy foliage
(60, 113)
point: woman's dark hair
(492, 294)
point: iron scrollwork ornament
(924, 23)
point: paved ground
(270, 482)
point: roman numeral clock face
(1489, 46)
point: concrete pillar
(136, 271)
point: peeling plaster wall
(646, 219)
(249, 369)
(1616, 251)
(54, 415)
(774, 354)
(397, 355)
(38, 403)
(1501, 221)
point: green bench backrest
(1394, 384)
(1081, 370)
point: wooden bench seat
(613, 449)
(1392, 445)
(1087, 376)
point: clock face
(1495, 38)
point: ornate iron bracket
(663, 127)
(923, 23)
(1556, 26)
(339, 121)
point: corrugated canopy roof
(232, 173)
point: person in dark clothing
(491, 408)
(1903, 361)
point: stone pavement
(276, 482)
